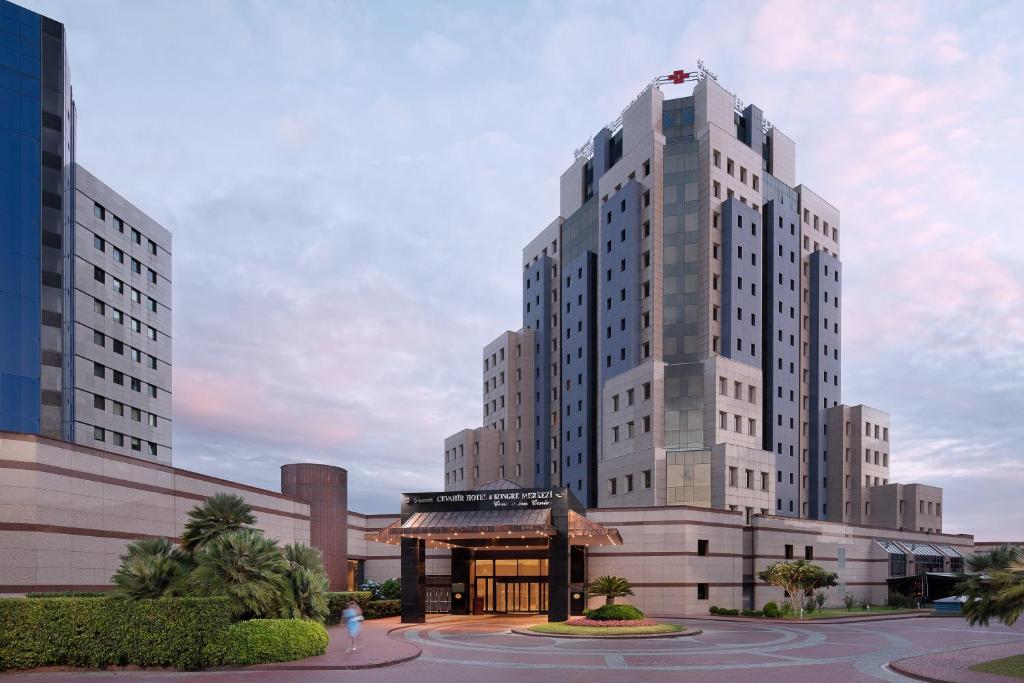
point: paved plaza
(458, 649)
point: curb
(895, 666)
(640, 636)
(810, 622)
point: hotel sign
(510, 499)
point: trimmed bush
(95, 633)
(261, 641)
(723, 612)
(713, 610)
(771, 610)
(383, 608)
(70, 594)
(752, 613)
(615, 613)
(336, 602)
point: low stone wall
(67, 511)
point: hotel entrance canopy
(495, 519)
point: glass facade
(684, 372)
(20, 235)
(510, 585)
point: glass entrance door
(519, 595)
(511, 585)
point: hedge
(383, 608)
(261, 641)
(95, 633)
(70, 594)
(336, 602)
(614, 613)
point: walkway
(483, 648)
(376, 648)
(955, 666)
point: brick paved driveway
(484, 650)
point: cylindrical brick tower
(325, 489)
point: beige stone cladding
(741, 479)
(631, 464)
(643, 147)
(122, 299)
(914, 507)
(783, 154)
(850, 550)
(679, 560)
(471, 458)
(508, 382)
(728, 168)
(989, 546)
(67, 511)
(732, 403)
(858, 440)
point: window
(136, 444)
(615, 434)
(789, 552)
(733, 472)
(136, 236)
(98, 433)
(98, 339)
(647, 479)
(118, 224)
(612, 488)
(702, 547)
(98, 274)
(98, 402)
(808, 552)
(152, 247)
(152, 449)
(99, 370)
(629, 483)
(647, 390)
(647, 424)
(702, 591)
(99, 243)
(119, 439)
(136, 266)
(136, 415)
(100, 213)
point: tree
(152, 568)
(796, 578)
(219, 513)
(245, 566)
(304, 585)
(610, 587)
(994, 586)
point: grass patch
(559, 628)
(840, 612)
(1007, 666)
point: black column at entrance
(461, 557)
(577, 580)
(414, 581)
(558, 561)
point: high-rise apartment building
(85, 291)
(686, 312)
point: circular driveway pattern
(733, 651)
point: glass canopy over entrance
(512, 549)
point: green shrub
(383, 608)
(261, 641)
(96, 633)
(849, 601)
(752, 613)
(70, 594)
(771, 610)
(724, 612)
(615, 613)
(713, 610)
(336, 602)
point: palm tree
(994, 586)
(304, 585)
(245, 566)
(219, 513)
(610, 587)
(152, 568)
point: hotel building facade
(669, 411)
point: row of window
(723, 389)
(751, 479)
(117, 408)
(494, 359)
(101, 371)
(118, 316)
(118, 347)
(730, 168)
(824, 227)
(630, 431)
(629, 483)
(118, 439)
(737, 423)
(101, 212)
(136, 265)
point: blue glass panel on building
(579, 375)
(20, 295)
(825, 382)
(741, 283)
(537, 316)
(619, 281)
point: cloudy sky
(349, 187)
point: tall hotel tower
(85, 290)
(681, 338)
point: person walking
(353, 617)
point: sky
(350, 185)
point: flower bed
(605, 623)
